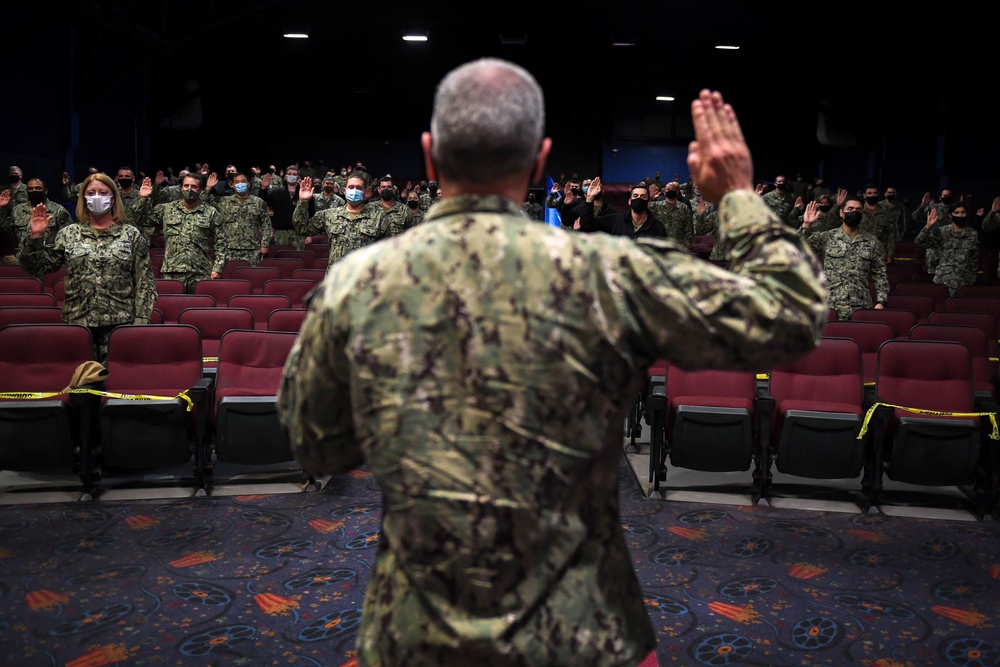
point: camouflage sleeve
(304, 225)
(266, 229)
(6, 218)
(145, 214)
(37, 258)
(880, 278)
(219, 246)
(815, 240)
(687, 231)
(314, 399)
(992, 221)
(889, 237)
(928, 237)
(61, 217)
(145, 284)
(382, 220)
(769, 309)
(705, 224)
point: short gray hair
(488, 121)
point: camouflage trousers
(99, 343)
(289, 237)
(252, 256)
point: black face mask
(825, 207)
(781, 186)
(432, 189)
(871, 201)
(946, 199)
(958, 221)
(14, 178)
(638, 205)
(890, 198)
(36, 198)
(852, 219)
(413, 204)
(576, 191)
(387, 194)
(125, 183)
(671, 194)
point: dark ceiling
(225, 68)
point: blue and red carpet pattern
(279, 580)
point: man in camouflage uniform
(347, 228)
(430, 196)
(18, 192)
(109, 278)
(189, 228)
(17, 219)
(878, 221)
(328, 197)
(398, 214)
(244, 227)
(780, 200)
(850, 255)
(674, 214)
(531, 208)
(896, 212)
(482, 366)
(920, 214)
(706, 223)
(957, 245)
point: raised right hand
(146, 188)
(718, 159)
(39, 222)
(306, 189)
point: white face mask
(98, 204)
(292, 178)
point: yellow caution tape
(763, 376)
(38, 395)
(205, 359)
(995, 435)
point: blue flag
(552, 216)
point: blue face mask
(241, 187)
(354, 195)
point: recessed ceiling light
(623, 41)
(513, 39)
(414, 37)
(296, 35)
(726, 47)
(664, 98)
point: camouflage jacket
(345, 231)
(190, 236)
(677, 219)
(400, 216)
(109, 279)
(244, 224)
(958, 254)
(783, 205)
(848, 263)
(482, 366)
(881, 223)
(18, 221)
(323, 202)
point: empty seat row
(155, 393)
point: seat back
(29, 315)
(295, 289)
(930, 448)
(169, 286)
(939, 293)
(921, 305)
(286, 265)
(42, 434)
(154, 358)
(819, 408)
(286, 319)
(171, 305)
(984, 321)
(307, 256)
(232, 265)
(49, 280)
(212, 323)
(26, 299)
(223, 288)
(248, 430)
(868, 335)
(257, 275)
(260, 305)
(979, 291)
(23, 285)
(315, 275)
(973, 338)
(901, 321)
(709, 418)
(13, 271)
(974, 305)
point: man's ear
(425, 143)
(543, 155)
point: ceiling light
(622, 41)
(664, 98)
(725, 47)
(415, 37)
(296, 34)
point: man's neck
(639, 220)
(850, 231)
(356, 207)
